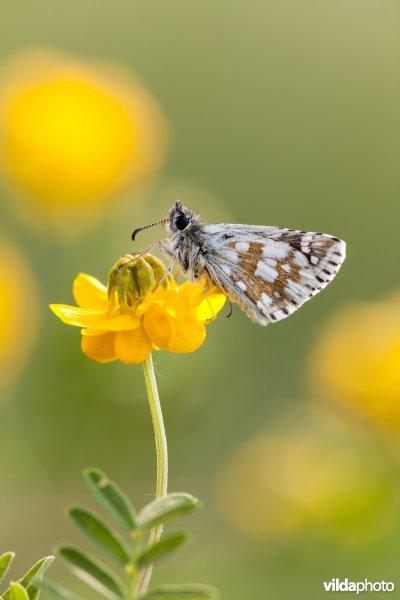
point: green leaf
(36, 572)
(166, 509)
(101, 534)
(5, 562)
(93, 573)
(112, 498)
(34, 575)
(33, 592)
(18, 592)
(56, 591)
(183, 592)
(166, 545)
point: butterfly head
(180, 218)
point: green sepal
(166, 509)
(5, 562)
(93, 573)
(17, 592)
(111, 497)
(34, 575)
(167, 544)
(183, 592)
(101, 534)
(57, 592)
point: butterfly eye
(182, 222)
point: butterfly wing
(270, 271)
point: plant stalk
(162, 462)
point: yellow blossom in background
(19, 315)
(142, 309)
(306, 474)
(356, 361)
(73, 134)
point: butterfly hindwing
(269, 271)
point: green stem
(131, 586)
(162, 461)
(133, 574)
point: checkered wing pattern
(270, 271)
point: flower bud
(132, 278)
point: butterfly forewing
(269, 271)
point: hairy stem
(162, 461)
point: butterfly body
(268, 271)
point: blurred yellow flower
(19, 314)
(310, 475)
(74, 133)
(142, 309)
(356, 361)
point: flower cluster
(18, 319)
(308, 471)
(73, 135)
(355, 362)
(144, 308)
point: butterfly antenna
(134, 234)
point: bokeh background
(257, 111)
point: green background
(283, 112)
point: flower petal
(189, 334)
(177, 303)
(193, 290)
(210, 306)
(158, 326)
(89, 331)
(204, 303)
(80, 317)
(132, 346)
(99, 347)
(89, 292)
(120, 322)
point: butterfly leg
(135, 257)
(230, 311)
(166, 247)
(166, 274)
(216, 281)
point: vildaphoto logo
(344, 585)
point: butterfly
(268, 271)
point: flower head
(73, 134)
(307, 472)
(143, 308)
(19, 319)
(356, 361)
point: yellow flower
(143, 308)
(75, 133)
(356, 361)
(309, 475)
(19, 315)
